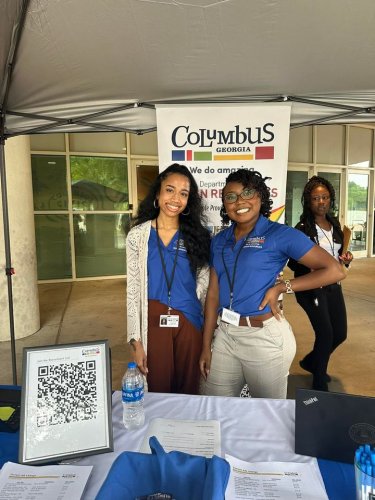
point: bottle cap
(131, 364)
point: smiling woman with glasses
(251, 342)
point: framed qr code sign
(66, 408)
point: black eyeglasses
(247, 194)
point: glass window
(53, 246)
(100, 244)
(295, 184)
(99, 183)
(49, 182)
(330, 144)
(357, 210)
(300, 145)
(360, 147)
(335, 179)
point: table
(251, 429)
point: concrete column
(22, 243)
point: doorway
(143, 175)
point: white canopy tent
(86, 65)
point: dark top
(311, 232)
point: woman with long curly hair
(167, 276)
(324, 306)
(251, 342)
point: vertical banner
(215, 140)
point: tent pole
(8, 266)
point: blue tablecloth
(9, 447)
(9, 440)
(338, 479)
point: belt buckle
(255, 323)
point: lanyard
(231, 280)
(331, 242)
(169, 281)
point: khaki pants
(259, 357)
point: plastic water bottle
(133, 414)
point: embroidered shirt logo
(255, 242)
(181, 245)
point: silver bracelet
(288, 286)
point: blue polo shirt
(263, 257)
(183, 293)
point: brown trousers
(172, 353)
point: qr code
(66, 393)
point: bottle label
(132, 395)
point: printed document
(61, 482)
(281, 480)
(197, 437)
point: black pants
(326, 310)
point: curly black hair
(196, 237)
(307, 217)
(250, 179)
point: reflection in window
(100, 244)
(49, 182)
(53, 246)
(99, 183)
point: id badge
(169, 320)
(230, 317)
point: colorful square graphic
(264, 153)
(202, 155)
(178, 155)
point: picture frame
(66, 404)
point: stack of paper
(65, 482)
(281, 480)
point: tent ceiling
(76, 59)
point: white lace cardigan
(137, 283)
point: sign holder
(66, 407)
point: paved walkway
(73, 312)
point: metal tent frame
(343, 111)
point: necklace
(330, 240)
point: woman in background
(167, 276)
(251, 341)
(325, 306)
